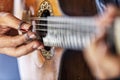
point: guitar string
(60, 18)
(84, 20)
(79, 24)
(71, 30)
(63, 24)
(68, 24)
(74, 27)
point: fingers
(8, 19)
(106, 19)
(111, 11)
(22, 50)
(4, 29)
(8, 41)
(25, 49)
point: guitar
(53, 24)
(40, 13)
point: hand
(14, 45)
(102, 63)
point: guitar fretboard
(67, 32)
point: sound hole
(43, 33)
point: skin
(102, 63)
(14, 45)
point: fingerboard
(75, 32)
(71, 33)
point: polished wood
(6, 5)
(68, 7)
(74, 67)
(36, 4)
(78, 7)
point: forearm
(107, 67)
(92, 63)
(110, 65)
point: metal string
(66, 23)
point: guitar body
(33, 66)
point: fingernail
(35, 46)
(26, 27)
(40, 47)
(32, 36)
(26, 36)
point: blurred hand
(102, 63)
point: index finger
(8, 19)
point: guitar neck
(68, 32)
(74, 32)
